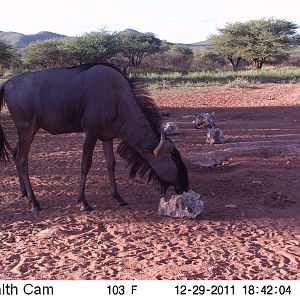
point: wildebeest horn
(161, 146)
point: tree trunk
(258, 62)
(262, 61)
(237, 62)
(234, 63)
(132, 61)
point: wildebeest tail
(4, 157)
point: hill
(131, 31)
(20, 40)
(193, 46)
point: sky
(180, 21)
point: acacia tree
(7, 53)
(204, 59)
(92, 47)
(136, 46)
(97, 47)
(255, 40)
(74, 50)
(44, 54)
(228, 43)
(269, 38)
(180, 56)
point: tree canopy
(136, 46)
(180, 56)
(255, 40)
(93, 47)
(90, 48)
(44, 54)
(6, 53)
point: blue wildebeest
(99, 100)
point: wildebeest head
(170, 169)
(157, 156)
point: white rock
(208, 163)
(188, 204)
(231, 206)
(205, 120)
(188, 116)
(215, 136)
(171, 128)
(50, 232)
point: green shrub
(238, 83)
(237, 79)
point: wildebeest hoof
(86, 208)
(24, 194)
(36, 208)
(120, 200)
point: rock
(188, 204)
(215, 136)
(188, 116)
(171, 128)
(259, 182)
(230, 206)
(247, 149)
(205, 120)
(225, 163)
(50, 232)
(209, 163)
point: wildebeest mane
(85, 67)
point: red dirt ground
(257, 240)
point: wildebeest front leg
(111, 164)
(86, 163)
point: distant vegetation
(256, 41)
(7, 53)
(231, 78)
(237, 46)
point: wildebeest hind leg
(111, 164)
(86, 163)
(26, 134)
(21, 181)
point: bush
(238, 83)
